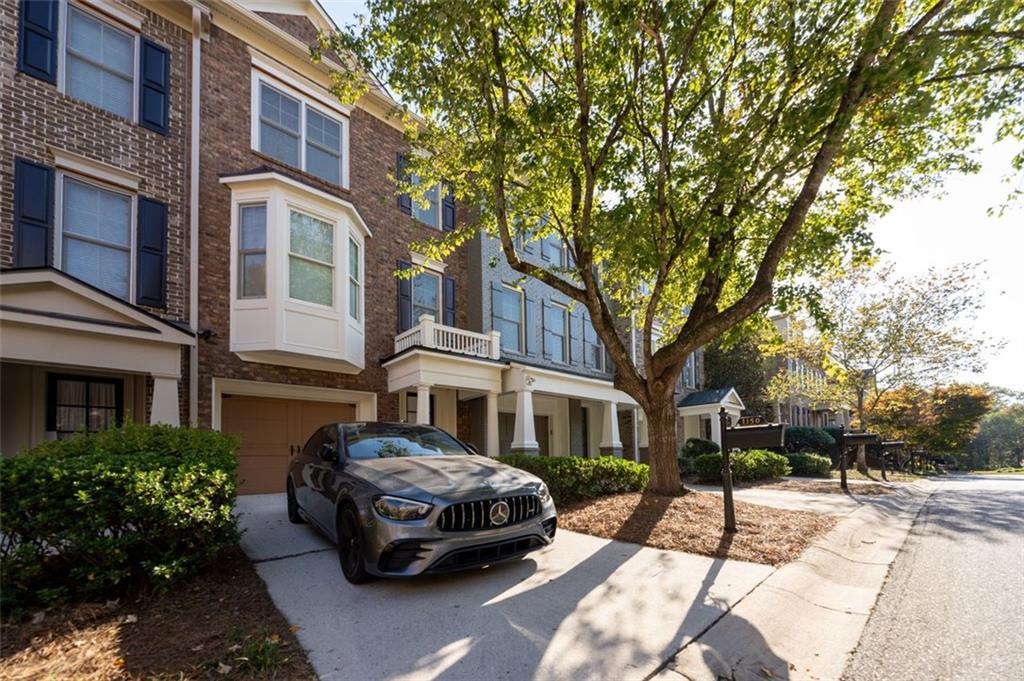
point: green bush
(810, 465)
(806, 439)
(696, 446)
(748, 466)
(128, 507)
(573, 478)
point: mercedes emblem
(499, 513)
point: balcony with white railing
(433, 336)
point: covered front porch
(698, 413)
(502, 407)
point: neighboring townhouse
(805, 380)
(94, 214)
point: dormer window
(298, 130)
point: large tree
(1000, 439)
(943, 420)
(697, 157)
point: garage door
(270, 428)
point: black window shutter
(404, 200)
(33, 214)
(530, 323)
(448, 208)
(404, 299)
(154, 87)
(37, 38)
(151, 254)
(449, 301)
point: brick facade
(226, 149)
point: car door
(307, 460)
(323, 476)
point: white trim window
(355, 279)
(426, 296)
(100, 62)
(690, 371)
(556, 336)
(508, 313)
(287, 127)
(97, 236)
(310, 259)
(593, 348)
(428, 212)
(252, 250)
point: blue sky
(939, 230)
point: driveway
(582, 608)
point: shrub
(810, 465)
(805, 439)
(131, 506)
(573, 478)
(753, 464)
(696, 446)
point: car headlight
(543, 493)
(397, 508)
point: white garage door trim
(366, 402)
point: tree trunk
(661, 436)
(862, 459)
(862, 453)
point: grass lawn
(1001, 471)
(876, 475)
(218, 625)
(693, 523)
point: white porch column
(610, 442)
(165, 401)
(524, 439)
(423, 404)
(716, 429)
(493, 445)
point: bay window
(96, 243)
(310, 259)
(252, 251)
(355, 290)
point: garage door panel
(269, 428)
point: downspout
(193, 219)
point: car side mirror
(328, 453)
(472, 448)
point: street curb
(805, 619)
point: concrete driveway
(583, 608)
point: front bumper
(405, 549)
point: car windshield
(392, 440)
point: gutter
(193, 216)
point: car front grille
(486, 554)
(476, 515)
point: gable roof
(721, 396)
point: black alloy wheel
(350, 547)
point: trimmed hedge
(748, 466)
(807, 439)
(573, 478)
(696, 446)
(128, 507)
(810, 465)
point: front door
(541, 430)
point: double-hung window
(252, 250)
(593, 349)
(294, 132)
(310, 259)
(426, 296)
(507, 313)
(78, 404)
(690, 371)
(556, 323)
(429, 211)
(355, 280)
(96, 241)
(100, 62)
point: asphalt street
(953, 605)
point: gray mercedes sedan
(401, 500)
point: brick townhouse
(193, 230)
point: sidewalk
(832, 504)
(805, 619)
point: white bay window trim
(281, 329)
(274, 77)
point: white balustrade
(430, 334)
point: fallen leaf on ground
(223, 668)
(131, 619)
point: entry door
(540, 427)
(271, 430)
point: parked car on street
(401, 500)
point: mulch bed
(823, 487)
(218, 625)
(693, 523)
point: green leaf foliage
(808, 439)
(573, 478)
(747, 466)
(695, 446)
(809, 465)
(128, 507)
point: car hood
(446, 477)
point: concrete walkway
(583, 608)
(806, 618)
(832, 504)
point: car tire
(293, 505)
(350, 546)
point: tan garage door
(270, 428)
